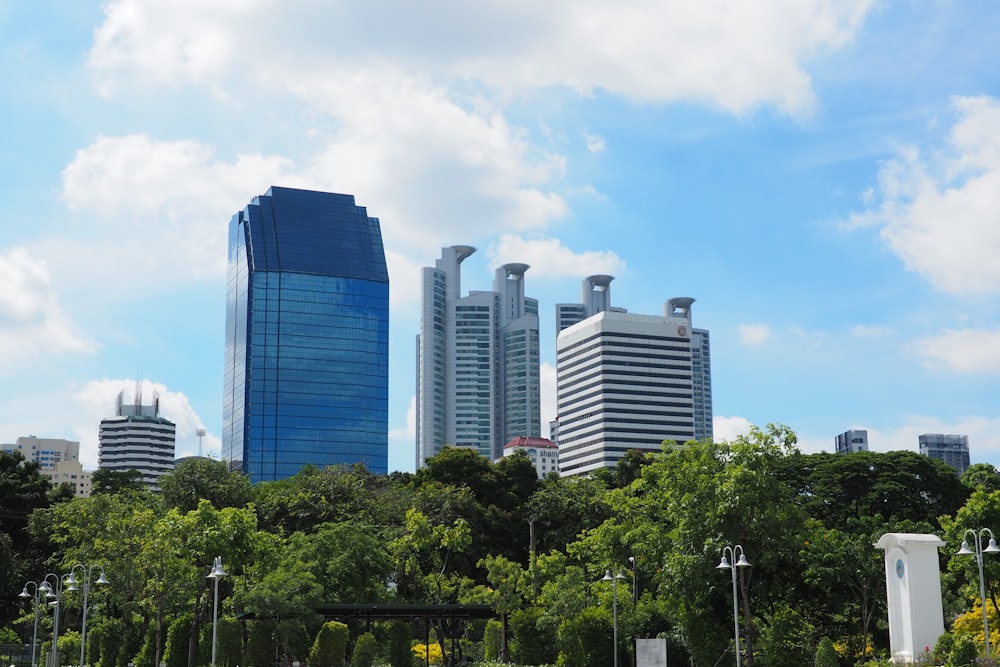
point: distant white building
(849, 442)
(138, 438)
(544, 453)
(952, 449)
(57, 459)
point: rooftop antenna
(201, 434)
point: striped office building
(626, 381)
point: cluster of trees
(464, 530)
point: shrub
(942, 649)
(330, 647)
(364, 651)
(826, 655)
(400, 654)
(492, 640)
(178, 637)
(963, 652)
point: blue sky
(823, 177)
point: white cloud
(936, 207)
(96, 401)
(409, 431)
(170, 43)
(869, 331)
(754, 335)
(549, 258)
(160, 209)
(32, 321)
(727, 429)
(728, 53)
(439, 167)
(595, 143)
(963, 350)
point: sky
(823, 176)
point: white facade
(627, 381)
(477, 360)
(913, 586)
(850, 442)
(137, 438)
(544, 453)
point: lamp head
(992, 548)
(217, 571)
(723, 564)
(24, 593)
(965, 550)
(102, 579)
(607, 576)
(71, 580)
(742, 562)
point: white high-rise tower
(138, 438)
(477, 360)
(627, 381)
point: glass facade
(307, 336)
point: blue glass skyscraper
(307, 336)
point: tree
(689, 503)
(313, 497)
(424, 554)
(982, 476)
(281, 590)
(894, 485)
(981, 511)
(509, 583)
(845, 567)
(23, 489)
(564, 507)
(350, 560)
(195, 479)
(105, 480)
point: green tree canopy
(195, 479)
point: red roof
(525, 441)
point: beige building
(58, 459)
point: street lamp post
(216, 573)
(88, 571)
(741, 561)
(614, 609)
(34, 637)
(991, 548)
(635, 578)
(54, 592)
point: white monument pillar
(913, 584)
